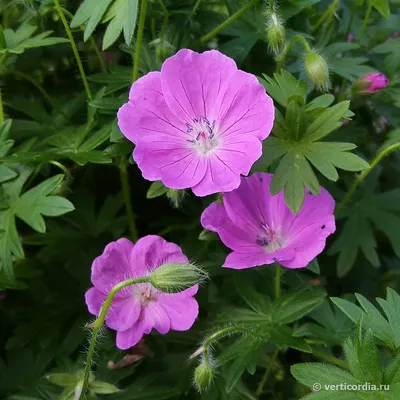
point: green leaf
(83, 13)
(130, 20)
(323, 101)
(382, 6)
(260, 303)
(156, 189)
(310, 373)
(296, 305)
(95, 17)
(327, 122)
(102, 387)
(314, 266)
(34, 203)
(64, 380)
(6, 174)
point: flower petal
(94, 300)
(113, 266)
(130, 337)
(236, 260)
(245, 107)
(153, 251)
(159, 318)
(181, 308)
(123, 313)
(192, 82)
(215, 219)
(175, 164)
(146, 114)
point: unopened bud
(176, 277)
(203, 376)
(370, 83)
(317, 70)
(175, 196)
(276, 34)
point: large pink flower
(198, 123)
(261, 229)
(139, 308)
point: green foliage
(296, 141)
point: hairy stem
(139, 40)
(127, 198)
(165, 24)
(385, 152)
(331, 359)
(226, 23)
(278, 274)
(97, 325)
(280, 60)
(74, 48)
(261, 385)
(365, 23)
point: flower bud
(317, 70)
(370, 83)
(175, 196)
(176, 277)
(276, 34)
(203, 376)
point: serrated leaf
(327, 122)
(83, 13)
(6, 174)
(95, 17)
(34, 203)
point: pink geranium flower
(198, 123)
(261, 229)
(139, 308)
(375, 82)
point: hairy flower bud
(370, 83)
(276, 35)
(203, 376)
(176, 277)
(317, 70)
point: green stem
(74, 48)
(92, 41)
(385, 152)
(97, 325)
(196, 6)
(165, 24)
(139, 40)
(261, 385)
(331, 359)
(352, 15)
(98, 54)
(34, 83)
(1, 109)
(278, 274)
(225, 24)
(364, 26)
(327, 14)
(281, 58)
(127, 198)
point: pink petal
(191, 82)
(181, 308)
(146, 114)
(245, 107)
(215, 219)
(130, 337)
(123, 313)
(175, 164)
(236, 260)
(153, 251)
(94, 300)
(113, 266)
(159, 318)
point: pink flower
(376, 81)
(139, 308)
(261, 229)
(198, 123)
(350, 37)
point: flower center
(202, 133)
(268, 239)
(145, 295)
